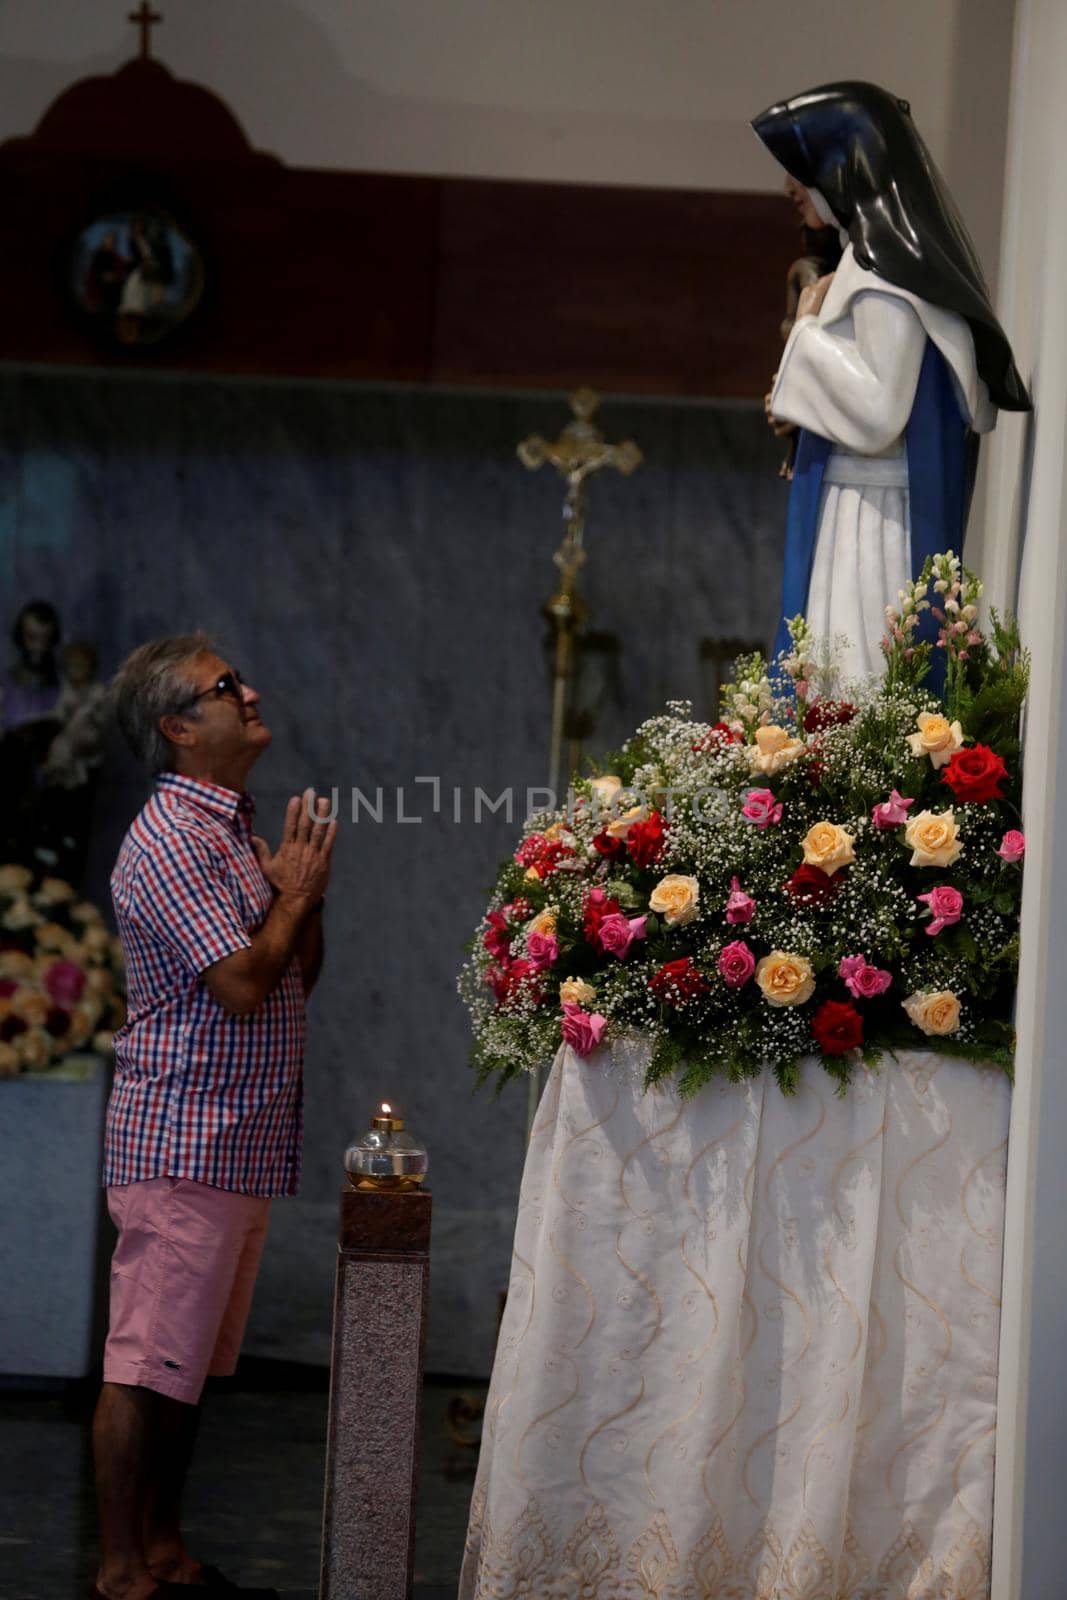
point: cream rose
(104, 1042)
(34, 1048)
(828, 847)
(14, 879)
(100, 983)
(604, 788)
(31, 1005)
(17, 964)
(676, 899)
(96, 941)
(20, 914)
(774, 749)
(545, 921)
(934, 838)
(83, 1020)
(9, 1061)
(937, 738)
(50, 936)
(934, 1013)
(576, 992)
(85, 911)
(54, 892)
(786, 980)
(622, 825)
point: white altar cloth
(750, 1344)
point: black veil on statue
(857, 145)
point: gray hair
(152, 683)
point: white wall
(1028, 498)
(655, 92)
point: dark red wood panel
(383, 277)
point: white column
(1026, 553)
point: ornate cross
(145, 19)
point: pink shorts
(182, 1277)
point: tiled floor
(254, 1502)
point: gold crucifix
(580, 451)
(145, 19)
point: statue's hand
(813, 295)
(779, 428)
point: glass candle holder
(386, 1156)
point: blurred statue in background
(822, 251)
(29, 690)
(894, 366)
(72, 765)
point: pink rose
(64, 982)
(736, 963)
(946, 907)
(861, 980)
(1012, 846)
(542, 948)
(582, 1030)
(740, 907)
(761, 808)
(892, 813)
(617, 933)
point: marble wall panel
(375, 561)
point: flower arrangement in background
(62, 980)
(812, 874)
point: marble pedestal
(372, 1450)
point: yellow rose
(545, 921)
(14, 879)
(786, 980)
(20, 914)
(33, 1048)
(104, 1042)
(934, 1013)
(31, 1005)
(604, 788)
(933, 838)
(576, 992)
(937, 738)
(829, 847)
(50, 936)
(559, 831)
(16, 964)
(676, 899)
(53, 892)
(773, 750)
(9, 1061)
(532, 875)
(622, 825)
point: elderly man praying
(223, 942)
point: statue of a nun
(895, 365)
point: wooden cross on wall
(145, 19)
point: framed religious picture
(136, 275)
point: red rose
(495, 939)
(7, 987)
(11, 1027)
(678, 981)
(827, 714)
(611, 849)
(57, 1022)
(598, 905)
(810, 886)
(838, 1027)
(644, 840)
(512, 975)
(974, 774)
(716, 737)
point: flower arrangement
(61, 974)
(812, 874)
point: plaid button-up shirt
(200, 1093)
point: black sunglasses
(229, 684)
